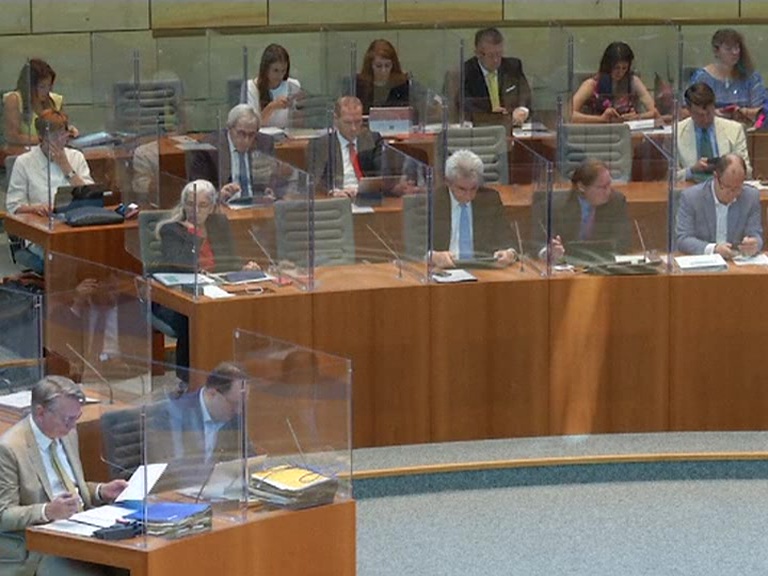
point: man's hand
(62, 507)
(442, 260)
(344, 193)
(556, 249)
(505, 257)
(111, 490)
(702, 166)
(726, 250)
(749, 246)
(251, 265)
(228, 191)
(519, 115)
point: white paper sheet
(760, 259)
(136, 489)
(69, 527)
(453, 276)
(103, 516)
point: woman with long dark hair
(273, 92)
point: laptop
(70, 197)
(389, 121)
(590, 252)
(372, 189)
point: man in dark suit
(202, 428)
(591, 211)
(41, 479)
(241, 165)
(350, 152)
(493, 83)
(720, 215)
(469, 221)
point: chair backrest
(333, 231)
(415, 226)
(139, 108)
(611, 143)
(236, 92)
(150, 246)
(488, 142)
(122, 437)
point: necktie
(493, 89)
(587, 224)
(705, 151)
(466, 251)
(63, 476)
(355, 160)
(243, 179)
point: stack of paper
(174, 519)
(293, 487)
(701, 263)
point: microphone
(398, 260)
(519, 247)
(272, 264)
(207, 479)
(296, 442)
(93, 368)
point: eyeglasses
(66, 420)
(732, 49)
(200, 205)
(246, 134)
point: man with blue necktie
(704, 136)
(469, 221)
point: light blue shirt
(44, 443)
(721, 223)
(453, 247)
(210, 427)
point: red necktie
(355, 161)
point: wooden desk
(101, 244)
(318, 541)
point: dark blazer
(398, 95)
(490, 228)
(611, 220)
(177, 244)
(696, 222)
(319, 163)
(514, 90)
(216, 166)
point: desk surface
(314, 541)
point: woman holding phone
(273, 92)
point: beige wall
(91, 44)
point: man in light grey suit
(704, 136)
(41, 479)
(721, 215)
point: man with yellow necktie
(493, 83)
(41, 479)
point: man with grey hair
(240, 164)
(469, 221)
(41, 478)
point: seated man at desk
(704, 137)
(240, 171)
(29, 190)
(469, 221)
(350, 152)
(720, 215)
(493, 83)
(41, 478)
(590, 212)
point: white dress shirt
(350, 178)
(210, 427)
(43, 443)
(721, 223)
(234, 163)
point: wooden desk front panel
(489, 357)
(609, 354)
(719, 334)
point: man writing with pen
(469, 221)
(41, 478)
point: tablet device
(586, 252)
(71, 197)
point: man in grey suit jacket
(723, 136)
(41, 479)
(338, 161)
(721, 215)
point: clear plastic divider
(21, 338)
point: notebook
(71, 197)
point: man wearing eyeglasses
(240, 165)
(41, 478)
(493, 83)
(721, 215)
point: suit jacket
(179, 439)
(611, 220)
(730, 139)
(177, 245)
(514, 90)
(25, 489)
(216, 166)
(695, 226)
(398, 95)
(490, 228)
(319, 161)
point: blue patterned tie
(466, 252)
(244, 190)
